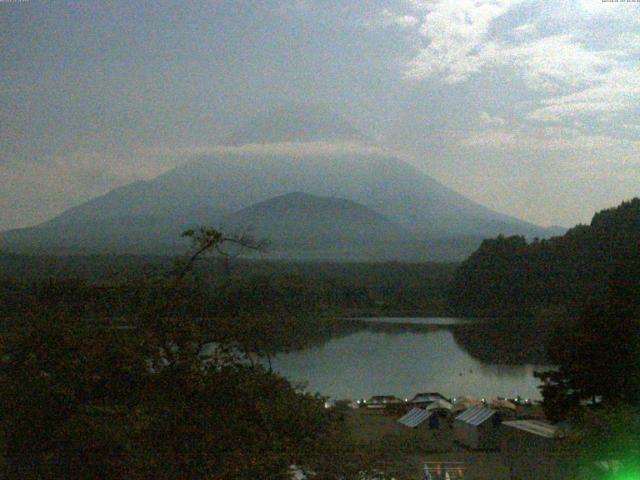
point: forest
(508, 276)
(119, 285)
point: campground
(400, 451)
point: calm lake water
(401, 363)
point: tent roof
(535, 427)
(476, 415)
(414, 417)
(463, 403)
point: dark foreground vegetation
(149, 395)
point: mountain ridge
(208, 188)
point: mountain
(302, 218)
(310, 226)
(280, 152)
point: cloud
(457, 38)
(404, 21)
(283, 148)
(551, 48)
(618, 91)
(492, 120)
(547, 139)
(525, 31)
(628, 41)
(619, 10)
(558, 62)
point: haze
(530, 108)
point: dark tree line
(209, 288)
(508, 276)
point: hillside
(507, 275)
(312, 226)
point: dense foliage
(598, 354)
(118, 286)
(79, 401)
(508, 276)
(596, 385)
(86, 398)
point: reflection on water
(370, 362)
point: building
(382, 401)
(530, 450)
(477, 428)
(423, 400)
(461, 404)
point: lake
(401, 362)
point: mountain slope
(304, 226)
(222, 183)
(308, 218)
(329, 159)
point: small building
(530, 450)
(415, 417)
(423, 400)
(378, 402)
(477, 428)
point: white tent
(440, 405)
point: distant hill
(280, 152)
(308, 225)
(509, 276)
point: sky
(531, 108)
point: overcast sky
(529, 107)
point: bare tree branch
(205, 239)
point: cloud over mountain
(99, 96)
(357, 193)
